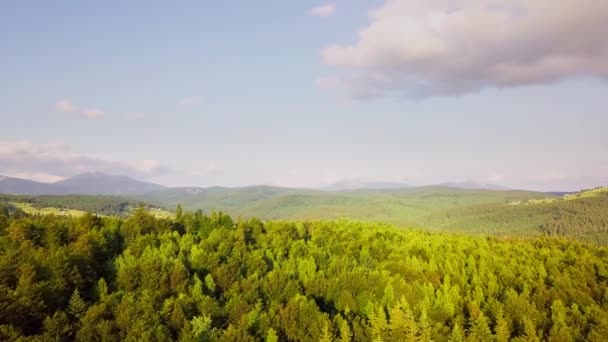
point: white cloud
(326, 10)
(189, 102)
(92, 113)
(67, 106)
(53, 161)
(449, 47)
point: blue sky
(302, 93)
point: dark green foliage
(211, 278)
(105, 205)
(585, 219)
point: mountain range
(92, 183)
(97, 183)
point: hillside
(10, 185)
(102, 184)
(93, 183)
(73, 204)
(502, 213)
(583, 217)
(209, 278)
(406, 207)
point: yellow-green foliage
(209, 278)
(28, 208)
(568, 197)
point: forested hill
(209, 278)
(583, 216)
(106, 205)
(406, 207)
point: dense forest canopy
(585, 219)
(582, 216)
(106, 205)
(212, 278)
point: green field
(29, 209)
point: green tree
(77, 306)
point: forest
(105, 205)
(584, 219)
(197, 277)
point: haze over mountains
(93, 183)
(98, 183)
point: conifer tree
(76, 306)
(425, 327)
(457, 335)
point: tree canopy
(214, 278)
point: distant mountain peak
(473, 185)
(362, 184)
(95, 175)
(105, 184)
(89, 183)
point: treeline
(584, 219)
(105, 205)
(209, 278)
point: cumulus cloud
(189, 102)
(54, 161)
(67, 106)
(449, 47)
(326, 10)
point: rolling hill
(75, 204)
(103, 184)
(407, 207)
(10, 185)
(93, 183)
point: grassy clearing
(28, 208)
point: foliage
(216, 279)
(105, 205)
(585, 219)
(581, 216)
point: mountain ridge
(90, 183)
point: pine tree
(271, 336)
(402, 325)
(529, 331)
(326, 335)
(102, 289)
(76, 306)
(201, 326)
(377, 319)
(457, 335)
(502, 332)
(397, 325)
(479, 331)
(345, 334)
(425, 327)
(559, 331)
(209, 283)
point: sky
(307, 93)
